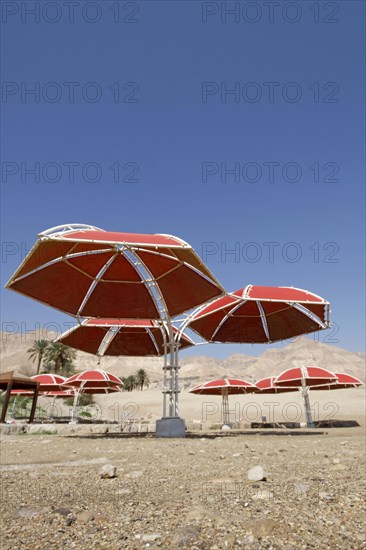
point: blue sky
(143, 97)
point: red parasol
(304, 378)
(259, 314)
(92, 382)
(88, 272)
(139, 337)
(225, 387)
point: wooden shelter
(9, 382)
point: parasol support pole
(308, 415)
(165, 379)
(171, 425)
(225, 407)
(74, 418)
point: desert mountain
(198, 368)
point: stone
(108, 471)
(86, 516)
(26, 512)
(62, 511)
(257, 474)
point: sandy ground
(341, 404)
(188, 493)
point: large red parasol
(304, 378)
(225, 387)
(88, 272)
(139, 337)
(260, 314)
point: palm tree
(37, 352)
(129, 383)
(142, 379)
(59, 358)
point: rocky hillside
(199, 368)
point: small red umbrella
(304, 378)
(225, 387)
(137, 337)
(91, 382)
(261, 314)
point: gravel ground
(192, 493)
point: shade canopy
(305, 376)
(88, 272)
(139, 337)
(230, 386)
(260, 314)
(93, 379)
(266, 385)
(343, 381)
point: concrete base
(171, 426)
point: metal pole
(308, 415)
(225, 406)
(171, 372)
(164, 379)
(176, 379)
(74, 407)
